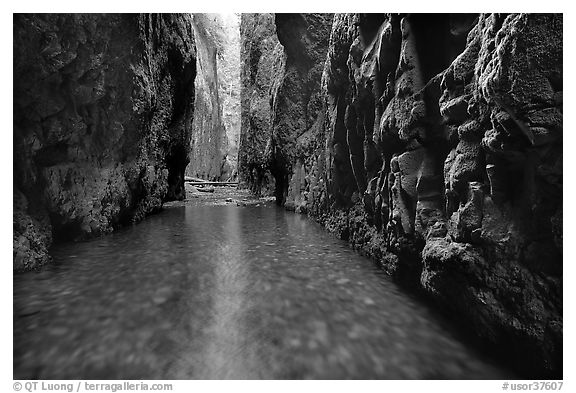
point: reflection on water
(226, 292)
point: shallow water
(227, 292)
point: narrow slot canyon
(288, 196)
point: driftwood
(212, 183)
(195, 181)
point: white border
(288, 6)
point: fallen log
(212, 183)
(190, 178)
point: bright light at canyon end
(216, 126)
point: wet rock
(408, 168)
(466, 165)
(455, 110)
(32, 235)
(471, 130)
(455, 272)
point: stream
(213, 290)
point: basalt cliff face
(103, 106)
(282, 62)
(216, 126)
(433, 144)
(260, 59)
(297, 99)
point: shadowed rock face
(435, 146)
(103, 106)
(259, 52)
(296, 96)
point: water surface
(226, 292)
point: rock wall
(216, 126)
(103, 107)
(296, 96)
(260, 51)
(434, 146)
